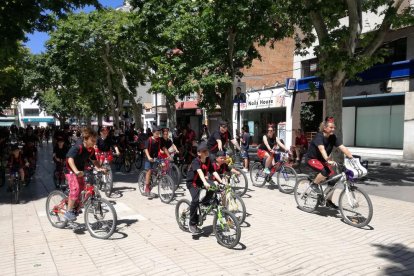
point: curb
(394, 164)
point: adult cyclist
(219, 138)
(318, 155)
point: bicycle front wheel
(141, 181)
(240, 183)
(355, 207)
(16, 191)
(127, 162)
(56, 207)
(182, 214)
(109, 183)
(226, 228)
(100, 218)
(236, 206)
(138, 161)
(305, 197)
(257, 175)
(166, 188)
(175, 174)
(286, 179)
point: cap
(156, 128)
(202, 147)
(220, 153)
(223, 123)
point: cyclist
(76, 160)
(168, 147)
(15, 164)
(244, 145)
(219, 138)
(318, 159)
(59, 154)
(152, 149)
(270, 145)
(220, 165)
(104, 146)
(196, 179)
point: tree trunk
(88, 121)
(333, 108)
(171, 113)
(227, 107)
(100, 117)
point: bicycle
(349, 199)
(166, 186)
(174, 171)
(15, 186)
(226, 226)
(105, 179)
(286, 176)
(59, 175)
(239, 183)
(100, 216)
(233, 201)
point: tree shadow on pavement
(401, 256)
(389, 176)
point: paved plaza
(277, 238)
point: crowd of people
(73, 148)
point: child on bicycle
(221, 167)
(152, 148)
(76, 161)
(16, 164)
(104, 146)
(59, 154)
(197, 179)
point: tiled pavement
(277, 238)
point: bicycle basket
(232, 204)
(355, 168)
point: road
(277, 238)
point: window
(309, 67)
(31, 112)
(397, 50)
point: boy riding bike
(196, 180)
(76, 161)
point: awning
(186, 105)
(6, 124)
(39, 120)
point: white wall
(348, 125)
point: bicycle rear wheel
(240, 183)
(286, 179)
(141, 181)
(56, 207)
(127, 162)
(182, 214)
(305, 197)
(166, 188)
(257, 175)
(100, 218)
(355, 207)
(226, 228)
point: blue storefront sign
(38, 120)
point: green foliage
(307, 117)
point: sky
(36, 41)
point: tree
(217, 38)
(343, 50)
(16, 19)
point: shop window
(397, 50)
(31, 112)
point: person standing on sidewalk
(244, 145)
(76, 160)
